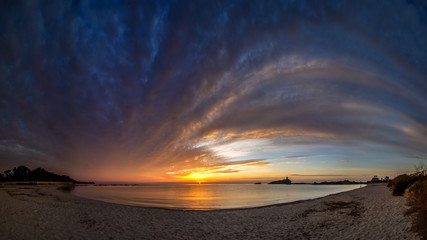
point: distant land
(284, 181)
(375, 179)
(24, 174)
(338, 182)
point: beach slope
(43, 212)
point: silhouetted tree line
(338, 182)
(22, 173)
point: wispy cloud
(296, 157)
(226, 171)
(140, 88)
(292, 162)
(222, 167)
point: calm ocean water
(207, 196)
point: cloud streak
(296, 157)
(141, 87)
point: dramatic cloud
(139, 89)
(296, 157)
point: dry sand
(43, 212)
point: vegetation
(375, 179)
(414, 186)
(401, 183)
(22, 173)
(338, 182)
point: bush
(400, 183)
(418, 192)
(418, 201)
(416, 185)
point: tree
(21, 173)
(8, 175)
(421, 169)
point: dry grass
(417, 196)
(420, 223)
(415, 189)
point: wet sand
(43, 212)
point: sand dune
(43, 212)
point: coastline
(215, 206)
(43, 212)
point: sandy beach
(43, 212)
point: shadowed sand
(43, 212)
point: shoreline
(222, 209)
(43, 212)
(285, 203)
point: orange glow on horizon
(194, 177)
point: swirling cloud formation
(160, 91)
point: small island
(284, 181)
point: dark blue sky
(158, 90)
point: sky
(214, 91)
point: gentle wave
(208, 196)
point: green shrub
(400, 183)
(418, 201)
(415, 187)
(416, 184)
(418, 192)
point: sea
(208, 196)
